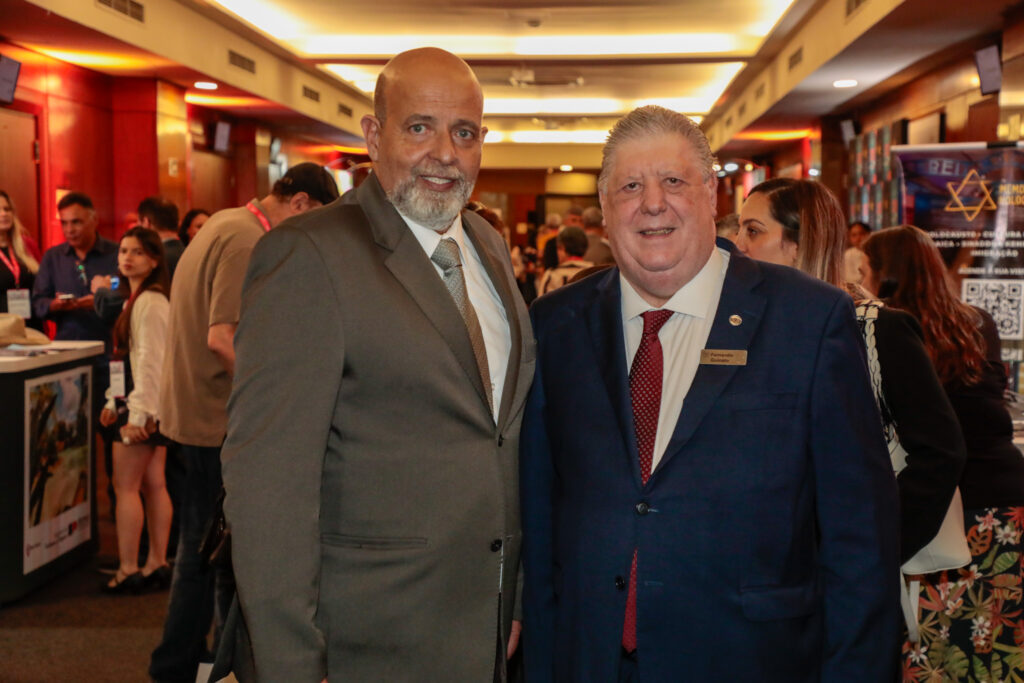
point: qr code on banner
(1004, 299)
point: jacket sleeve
(289, 358)
(926, 425)
(537, 478)
(148, 343)
(857, 508)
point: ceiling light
(554, 105)
(549, 137)
(716, 167)
(748, 167)
(813, 172)
(730, 167)
(221, 102)
(845, 83)
(204, 85)
(565, 168)
(774, 135)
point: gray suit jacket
(373, 501)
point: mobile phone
(114, 281)
(65, 297)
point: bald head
(426, 134)
(412, 65)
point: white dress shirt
(682, 337)
(482, 294)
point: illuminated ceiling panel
(567, 58)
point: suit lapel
(492, 265)
(737, 298)
(604, 322)
(414, 271)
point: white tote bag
(948, 550)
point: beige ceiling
(543, 65)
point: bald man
(383, 359)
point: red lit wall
(72, 107)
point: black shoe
(157, 580)
(123, 585)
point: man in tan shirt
(198, 367)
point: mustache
(439, 171)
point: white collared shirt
(682, 337)
(482, 294)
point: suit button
(642, 508)
(501, 440)
(620, 583)
(495, 545)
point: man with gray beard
(383, 358)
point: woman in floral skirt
(971, 619)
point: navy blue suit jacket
(768, 535)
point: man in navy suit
(706, 492)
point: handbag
(948, 550)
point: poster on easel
(970, 198)
(58, 431)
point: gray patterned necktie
(446, 255)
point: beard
(431, 209)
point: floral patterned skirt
(972, 628)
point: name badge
(18, 303)
(723, 357)
(117, 387)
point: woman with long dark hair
(973, 616)
(800, 223)
(139, 449)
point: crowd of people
(644, 444)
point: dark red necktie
(645, 379)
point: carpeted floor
(68, 632)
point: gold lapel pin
(735, 320)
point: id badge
(117, 388)
(18, 303)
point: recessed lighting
(730, 167)
(204, 85)
(845, 83)
(813, 172)
(748, 167)
(565, 168)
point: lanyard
(259, 215)
(12, 265)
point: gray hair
(592, 217)
(655, 120)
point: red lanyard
(12, 265)
(259, 215)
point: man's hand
(99, 282)
(108, 417)
(83, 302)
(513, 638)
(58, 304)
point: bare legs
(140, 467)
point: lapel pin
(735, 320)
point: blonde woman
(17, 265)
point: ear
(712, 185)
(791, 250)
(483, 134)
(299, 203)
(371, 131)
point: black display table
(47, 468)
